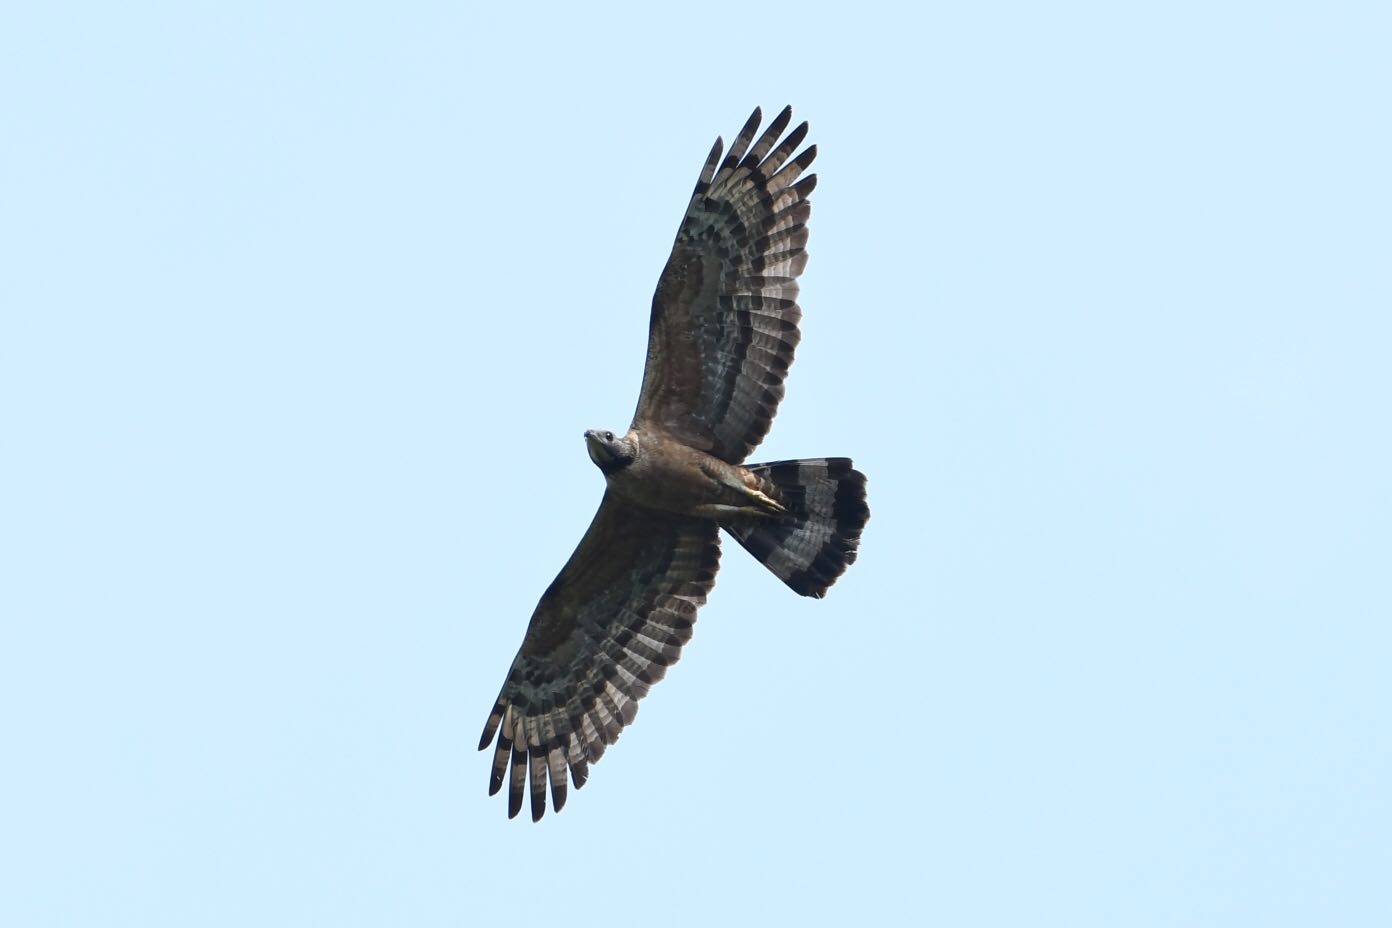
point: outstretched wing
(606, 629)
(725, 315)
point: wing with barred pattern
(725, 317)
(607, 628)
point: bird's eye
(608, 436)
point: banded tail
(815, 543)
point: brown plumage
(722, 334)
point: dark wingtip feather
(500, 763)
(558, 793)
(536, 755)
(491, 726)
(771, 165)
(518, 780)
(787, 173)
(708, 169)
(767, 140)
(795, 137)
(741, 142)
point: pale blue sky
(302, 315)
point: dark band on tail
(815, 543)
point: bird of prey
(723, 329)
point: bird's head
(610, 452)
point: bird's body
(721, 336)
(668, 475)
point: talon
(769, 502)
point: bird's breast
(672, 477)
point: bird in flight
(722, 333)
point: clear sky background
(303, 312)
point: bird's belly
(662, 485)
(687, 482)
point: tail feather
(815, 543)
